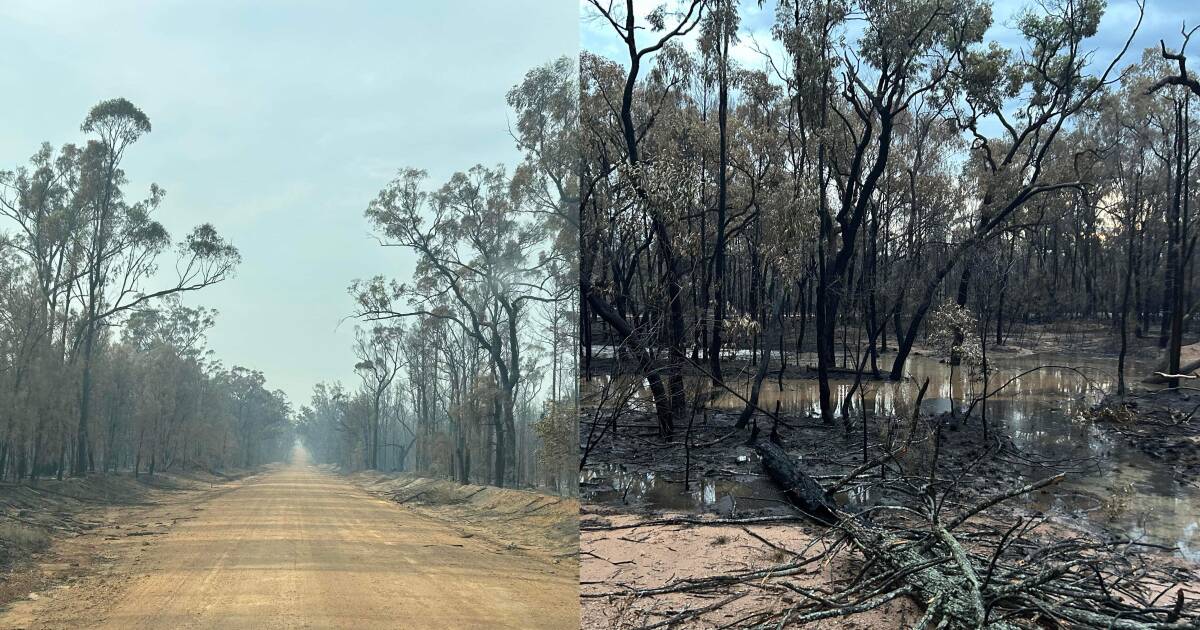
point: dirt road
(299, 548)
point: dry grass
(17, 541)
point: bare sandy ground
(615, 563)
(293, 548)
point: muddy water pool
(1112, 486)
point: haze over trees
(297, 389)
(465, 366)
(103, 366)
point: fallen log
(804, 491)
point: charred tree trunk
(714, 349)
(801, 489)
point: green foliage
(204, 243)
(494, 252)
(174, 325)
(953, 332)
(117, 121)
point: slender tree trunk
(765, 361)
(81, 442)
(1175, 257)
(714, 349)
(374, 455)
(1127, 290)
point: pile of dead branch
(987, 573)
(968, 563)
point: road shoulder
(95, 544)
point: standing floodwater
(1112, 486)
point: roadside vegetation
(104, 368)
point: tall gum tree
(122, 244)
(669, 396)
(1032, 95)
(379, 361)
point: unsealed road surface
(300, 548)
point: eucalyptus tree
(170, 323)
(719, 31)
(258, 413)
(426, 345)
(379, 353)
(903, 56)
(42, 203)
(492, 288)
(546, 103)
(1125, 119)
(462, 366)
(479, 269)
(1175, 94)
(39, 202)
(22, 330)
(399, 435)
(169, 343)
(322, 426)
(894, 147)
(557, 429)
(122, 244)
(82, 261)
(659, 213)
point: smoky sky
(279, 122)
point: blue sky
(1162, 21)
(279, 122)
